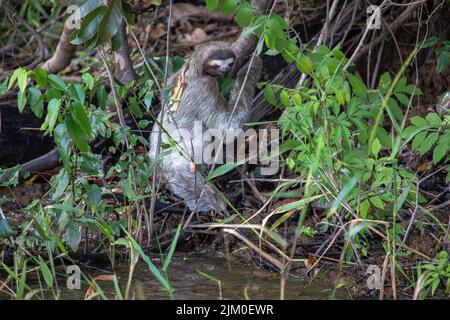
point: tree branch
(63, 53)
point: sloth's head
(219, 63)
(215, 59)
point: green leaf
(359, 227)
(340, 99)
(418, 139)
(94, 194)
(359, 88)
(433, 118)
(376, 147)
(80, 117)
(56, 82)
(412, 89)
(172, 248)
(52, 115)
(401, 200)
(110, 23)
(142, 124)
(89, 6)
(440, 151)
(40, 230)
(385, 82)
(346, 91)
(21, 101)
(284, 98)
(297, 204)
(108, 231)
(62, 140)
(134, 107)
(116, 42)
(384, 137)
(47, 274)
(77, 92)
(364, 209)
(394, 109)
(129, 186)
(212, 4)
(22, 79)
(41, 77)
(409, 131)
(102, 96)
(434, 285)
(62, 183)
(429, 42)
(153, 269)
(343, 194)
(13, 78)
(244, 15)
(76, 134)
(428, 143)
(377, 202)
(148, 98)
(89, 26)
(5, 229)
(227, 6)
(225, 168)
(443, 60)
(297, 99)
(304, 64)
(36, 101)
(88, 79)
(73, 235)
(269, 94)
(403, 99)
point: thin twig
(117, 101)
(376, 13)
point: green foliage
(439, 273)
(339, 109)
(430, 133)
(5, 229)
(75, 115)
(442, 52)
(100, 23)
(241, 8)
(326, 129)
(346, 138)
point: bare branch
(63, 53)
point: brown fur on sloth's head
(215, 59)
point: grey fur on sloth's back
(200, 101)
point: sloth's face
(219, 63)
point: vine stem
(117, 101)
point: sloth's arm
(222, 115)
(248, 92)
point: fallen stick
(43, 163)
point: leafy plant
(439, 273)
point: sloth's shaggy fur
(200, 101)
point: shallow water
(237, 282)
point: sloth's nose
(224, 69)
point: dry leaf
(91, 290)
(183, 10)
(423, 167)
(197, 36)
(157, 32)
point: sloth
(197, 99)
